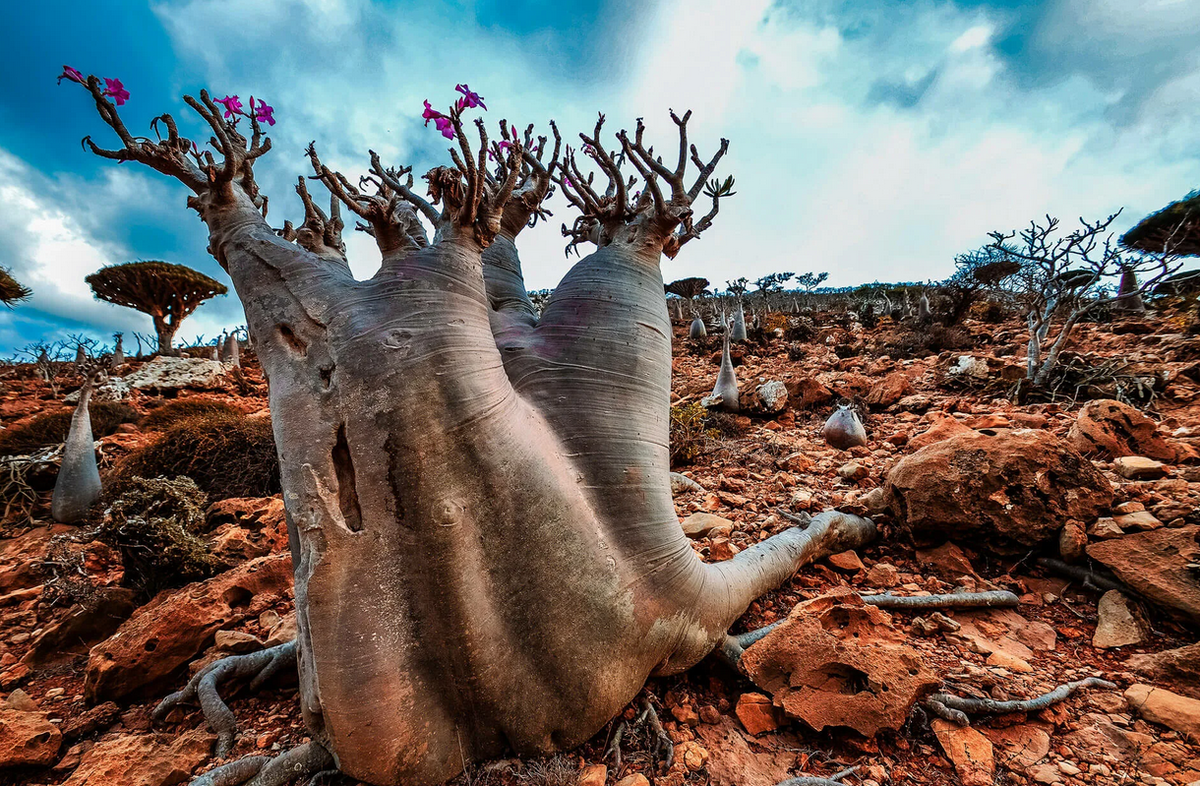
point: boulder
(970, 751)
(1119, 622)
(1180, 666)
(143, 760)
(947, 561)
(807, 392)
(1155, 565)
(1022, 485)
(1109, 428)
(889, 390)
(967, 366)
(1160, 705)
(942, 428)
(27, 739)
(837, 662)
(177, 625)
(83, 626)
(771, 397)
(178, 373)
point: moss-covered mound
(226, 454)
(51, 429)
(174, 411)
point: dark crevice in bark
(326, 373)
(292, 341)
(346, 492)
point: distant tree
(1061, 280)
(772, 282)
(977, 272)
(738, 285)
(168, 293)
(1176, 227)
(11, 290)
(810, 281)
(687, 287)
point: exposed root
(662, 743)
(951, 600)
(955, 708)
(1089, 578)
(263, 665)
(810, 780)
(309, 760)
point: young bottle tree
(486, 552)
(167, 292)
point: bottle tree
(486, 553)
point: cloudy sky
(870, 139)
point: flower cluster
(260, 111)
(112, 87)
(469, 100)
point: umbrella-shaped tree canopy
(11, 290)
(1175, 228)
(167, 292)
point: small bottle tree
(167, 292)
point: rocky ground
(969, 491)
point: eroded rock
(27, 738)
(838, 662)
(1110, 428)
(1155, 565)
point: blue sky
(870, 139)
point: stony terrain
(969, 491)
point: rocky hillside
(1077, 512)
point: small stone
(944, 622)
(883, 575)
(924, 627)
(970, 751)
(693, 755)
(636, 779)
(1141, 521)
(1003, 660)
(1067, 768)
(1119, 622)
(1139, 468)
(771, 396)
(20, 700)
(593, 775)
(852, 471)
(847, 560)
(1105, 528)
(1072, 540)
(703, 525)
(757, 713)
(236, 641)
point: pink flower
(445, 126)
(72, 74)
(430, 114)
(233, 105)
(114, 88)
(460, 105)
(470, 97)
(263, 112)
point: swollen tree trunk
(77, 487)
(739, 324)
(697, 329)
(118, 357)
(231, 350)
(1129, 296)
(725, 391)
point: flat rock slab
(1180, 666)
(1160, 705)
(1155, 565)
(168, 373)
(143, 760)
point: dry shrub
(46, 430)
(690, 434)
(174, 411)
(154, 524)
(932, 341)
(226, 454)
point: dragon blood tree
(168, 293)
(487, 558)
(11, 290)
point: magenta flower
(445, 126)
(233, 105)
(114, 88)
(72, 74)
(430, 114)
(263, 112)
(470, 97)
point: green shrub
(153, 523)
(227, 454)
(51, 429)
(690, 435)
(174, 411)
